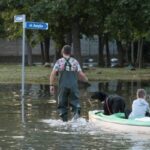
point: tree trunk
(132, 53)
(107, 51)
(100, 51)
(59, 45)
(68, 39)
(128, 58)
(47, 46)
(29, 53)
(120, 53)
(76, 42)
(42, 52)
(126, 53)
(140, 53)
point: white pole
(23, 57)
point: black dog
(112, 104)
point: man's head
(141, 93)
(66, 50)
(99, 95)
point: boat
(118, 123)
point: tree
(123, 20)
(128, 23)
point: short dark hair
(66, 49)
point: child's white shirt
(139, 108)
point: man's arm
(53, 77)
(52, 81)
(82, 76)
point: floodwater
(33, 123)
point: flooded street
(34, 124)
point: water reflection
(21, 126)
(22, 111)
(126, 89)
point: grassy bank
(40, 74)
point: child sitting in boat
(140, 107)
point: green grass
(40, 74)
(34, 74)
(119, 73)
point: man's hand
(52, 89)
(82, 76)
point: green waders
(68, 92)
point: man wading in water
(68, 70)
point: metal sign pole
(26, 25)
(22, 18)
(23, 57)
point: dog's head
(99, 95)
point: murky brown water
(35, 125)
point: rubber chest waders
(68, 90)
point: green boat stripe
(119, 118)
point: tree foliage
(125, 21)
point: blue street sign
(36, 25)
